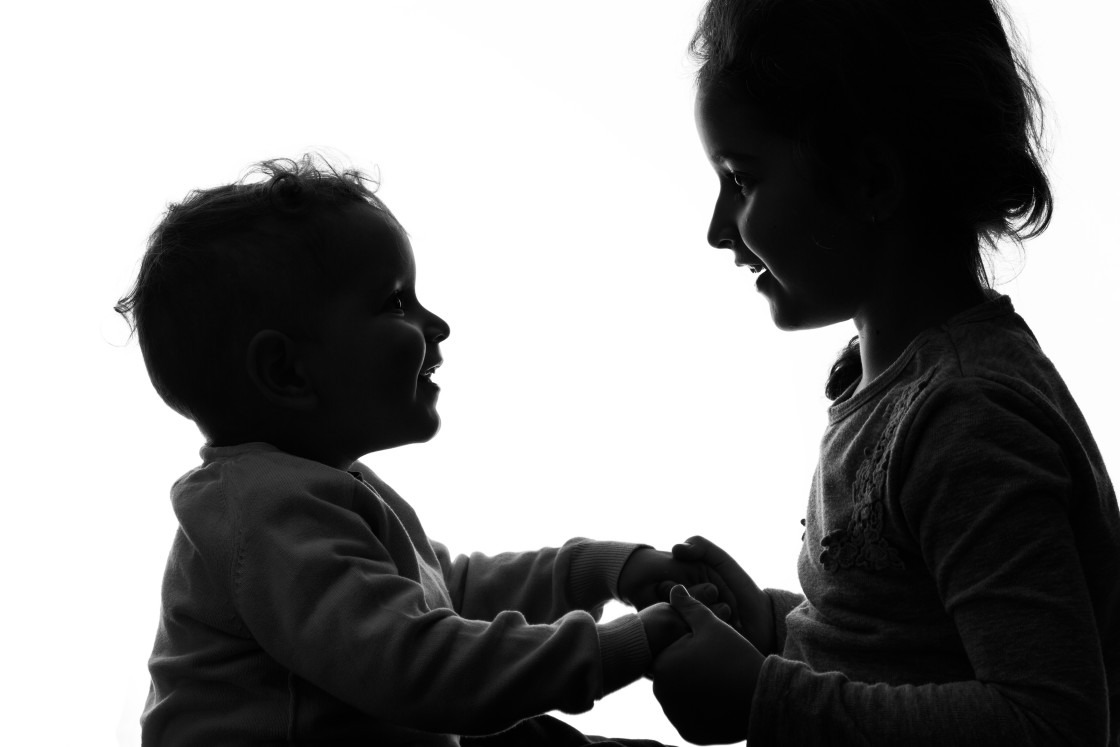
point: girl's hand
(752, 610)
(663, 625)
(706, 680)
(648, 575)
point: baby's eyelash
(394, 303)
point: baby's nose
(437, 329)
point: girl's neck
(909, 302)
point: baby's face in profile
(373, 360)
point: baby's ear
(274, 366)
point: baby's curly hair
(231, 260)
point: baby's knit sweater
(960, 560)
(303, 604)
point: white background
(608, 374)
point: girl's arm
(782, 603)
(988, 493)
(989, 496)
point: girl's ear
(274, 366)
(882, 180)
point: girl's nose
(722, 231)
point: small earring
(874, 219)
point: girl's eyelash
(743, 182)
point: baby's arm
(323, 596)
(582, 574)
(649, 574)
(541, 584)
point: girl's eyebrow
(722, 157)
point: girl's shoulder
(982, 382)
(979, 372)
(986, 346)
(988, 356)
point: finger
(726, 595)
(722, 611)
(693, 611)
(721, 563)
(702, 547)
(689, 548)
(685, 553)
(706, 592)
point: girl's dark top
(960, 561)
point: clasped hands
(705, 640)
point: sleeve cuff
(594, 572)
(624, 650)
(784, 602)
(769, 696)
(791, 704)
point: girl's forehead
(730, 128)
(727, 109)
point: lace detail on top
(861, 544)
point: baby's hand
(663, 626)
(706, 680)
(649, 574)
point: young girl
(961, 556)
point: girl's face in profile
(810, 254)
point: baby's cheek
(403, 355)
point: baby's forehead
(369, 240)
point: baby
(302, 601)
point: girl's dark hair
(938, 80)
(228, 261)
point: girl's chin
(788, 314)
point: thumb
(693, 611)
(686, 550)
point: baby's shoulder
(238, 489)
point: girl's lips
(754, 267)
(426, 374)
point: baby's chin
(422, 433)
(434, 431)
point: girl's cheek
(755, 228)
